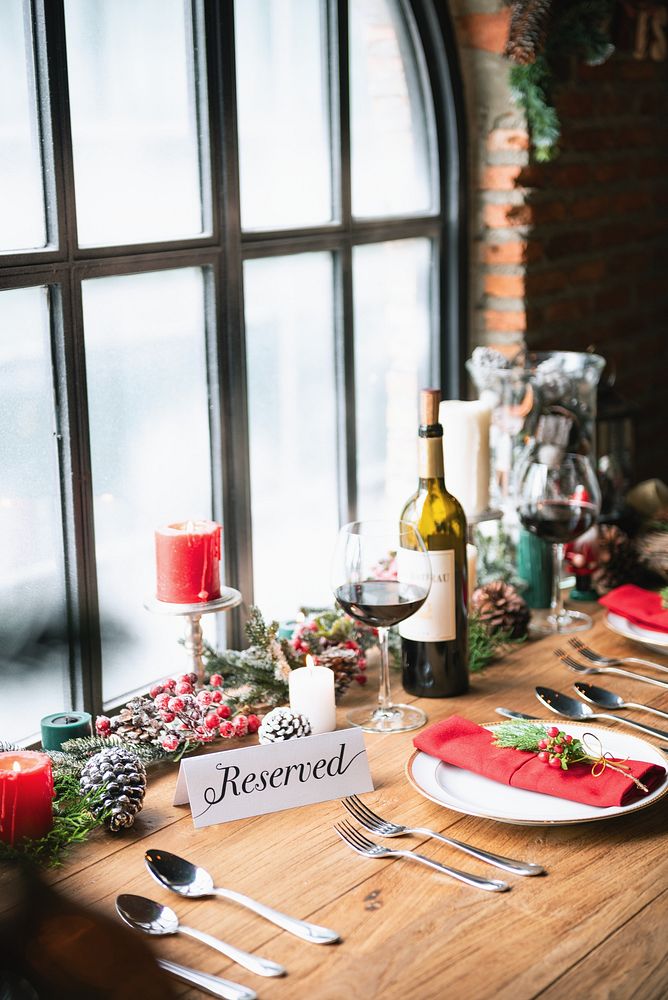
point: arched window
(231, 240)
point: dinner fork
(611, 661)
(582, 668)
(376, 824)
(355, 839)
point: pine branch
(483, 645)
(519, 735)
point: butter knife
(509, 714)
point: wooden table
(595, 927)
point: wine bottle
(434, 649)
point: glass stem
(557, 604)
(384, 693)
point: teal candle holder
(534, 566)
(62, 726)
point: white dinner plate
(471, 794)
(646, 636)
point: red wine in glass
(558, 521)
(380, 603)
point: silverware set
(607, 665)
(190, 881)
(360, 843)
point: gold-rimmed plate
(471, 794)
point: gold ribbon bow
(603, 760)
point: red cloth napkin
(464, 744)
(642, 607)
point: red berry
(183, 679)
(212, 721)
(167, 716)
(204, 698)
(226, 730)
(553, 731)
(542, 744)
(224, 711)
(568, 738)
(162, 700)
(361, 679)
(169, 685)
(557, 750)
(215, 680)
(184, 687)
(543, 756)
(192, 677)
(176, 704)
(240, 724)
(156, 690)
(170, 742)
(254, 723)
(554, 762)
(102, 725)
(216, 696)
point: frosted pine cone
(283, 724)
(123, 777)
(501, 608)
(617, 559)
(345, 664)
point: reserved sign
(234, 784)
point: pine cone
(652, 550)
(124, 779)
(283, 724)
(345, 664)
(528, 30)
(138, 723)
(617, 559)
(501, 608)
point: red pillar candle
(26, 795)
(188, 562)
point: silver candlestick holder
(193, 638)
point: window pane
(134, 121)
(393, 316)
(33, 617)
(292, 414)
(392, 118)
(22, 221)
(147, 395)
(283, 105)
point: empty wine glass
(559, 499)
(378, 589)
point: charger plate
(648, 637)
(471, 794)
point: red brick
(594, 207)
(615, 298)
(565, 310)
(588, 271)
(632, 136)
(590, 139)
(575, 104)
(628, 201)
(503, 216)
(505, 285)
(511, 252)
(505, 322)
(568, 244)
(485, 31)
(650, 167)
(602, 173)
(500, 178)
(606, 236)
(546, 212)
(640, 70)
(545, 282)
(507, 139)
(630, 262)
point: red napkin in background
(464, 744)
(642, 607)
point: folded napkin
(464, 744)
(642, 607)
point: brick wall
(574, 252)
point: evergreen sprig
(484, 645)
(73, 823)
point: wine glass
(381, 575)
(559, 499)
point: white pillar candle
(471, 569)
(312, 694)
(466, 452)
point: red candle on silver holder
(26, 795)
(188, 562)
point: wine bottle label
(435, 621)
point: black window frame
(222, 254)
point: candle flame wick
(16, 766)
(310, 662)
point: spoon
(146, 915)
(608, 699)
(186, 879)
(213, 985)
(570, 708)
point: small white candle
(471, 568)
(312, 694)
(466, 452)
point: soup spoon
(190, 880)
(608, 699)
(571, 708)
(152, 918)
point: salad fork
(611, 661)
(355, 839)
(582, 668)
(376, 824)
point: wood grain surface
(594, 927)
